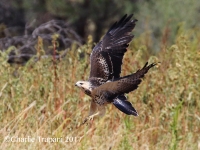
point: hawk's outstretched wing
(107, 55)
(110, 90)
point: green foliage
(125, 145)
(40, 99)
(163, 19)
(174, 127)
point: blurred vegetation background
(159, 21)
(39, 98)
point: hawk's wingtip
(134, 113)
(137, 115)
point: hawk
(105, 85)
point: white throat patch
(85, 85)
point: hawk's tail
(124, 106)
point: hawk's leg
(93, 108)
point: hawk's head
(85, 86)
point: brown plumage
(107, 92)
(106, 57)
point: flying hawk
(105, 84)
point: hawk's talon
(91, 117)
(87, 118)
(84, 121)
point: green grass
(40, 100)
